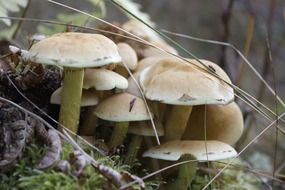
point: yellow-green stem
(89, 122)
(133, 149)
(119, 134)
(186, 173)
(71, 98)
(176, 121)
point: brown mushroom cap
(75, 50)
(88, 98)
(172, 81)
(102, 79)
(223, 123)
(145, 128)
(129, 56)
(122, 107)
(173, 150)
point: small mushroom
(154, 52)
(141, 30)
(129, 59)
(88, 98)
(121, 108)
(189, 150)
(100, 80)
(139, 129)
(103, 79)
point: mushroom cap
(173, 150)
(151, 51)
(141, 30)
(143, 63)
(223, 123)
(144, 128)
(72, 49)
(132, 86)
(172, 81)
(103, 79)
(129, 56)
(88, 98)
(122, 107)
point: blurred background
(255, 27)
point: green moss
(233, 178)
(24, 176)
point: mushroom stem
(89, 122)
(176, 121)
(71, 98)
(133, 149)
(186, 173)
(119, 134)
(158, 109)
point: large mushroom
(174, 82)
(200, 151)
(74, 52)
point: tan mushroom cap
(132, 85)
(151, 51)
(173, 150)
(129, 56)
(103, 79)
(122, 107)
(75, 50)
(141, 30)
(223, 123)
(145, 128)
(173, 81)
(88, 98)
(142, 64)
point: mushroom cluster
(193, 109)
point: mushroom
(172, 81)
(129, 59)
(189, 150)
(73, 51)
(154, 52)
(100, 80)
(141, 30)
(103, 79)
(143, 63)
(88, 98)
(223, 123)
(139, 129)
(121, 108)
